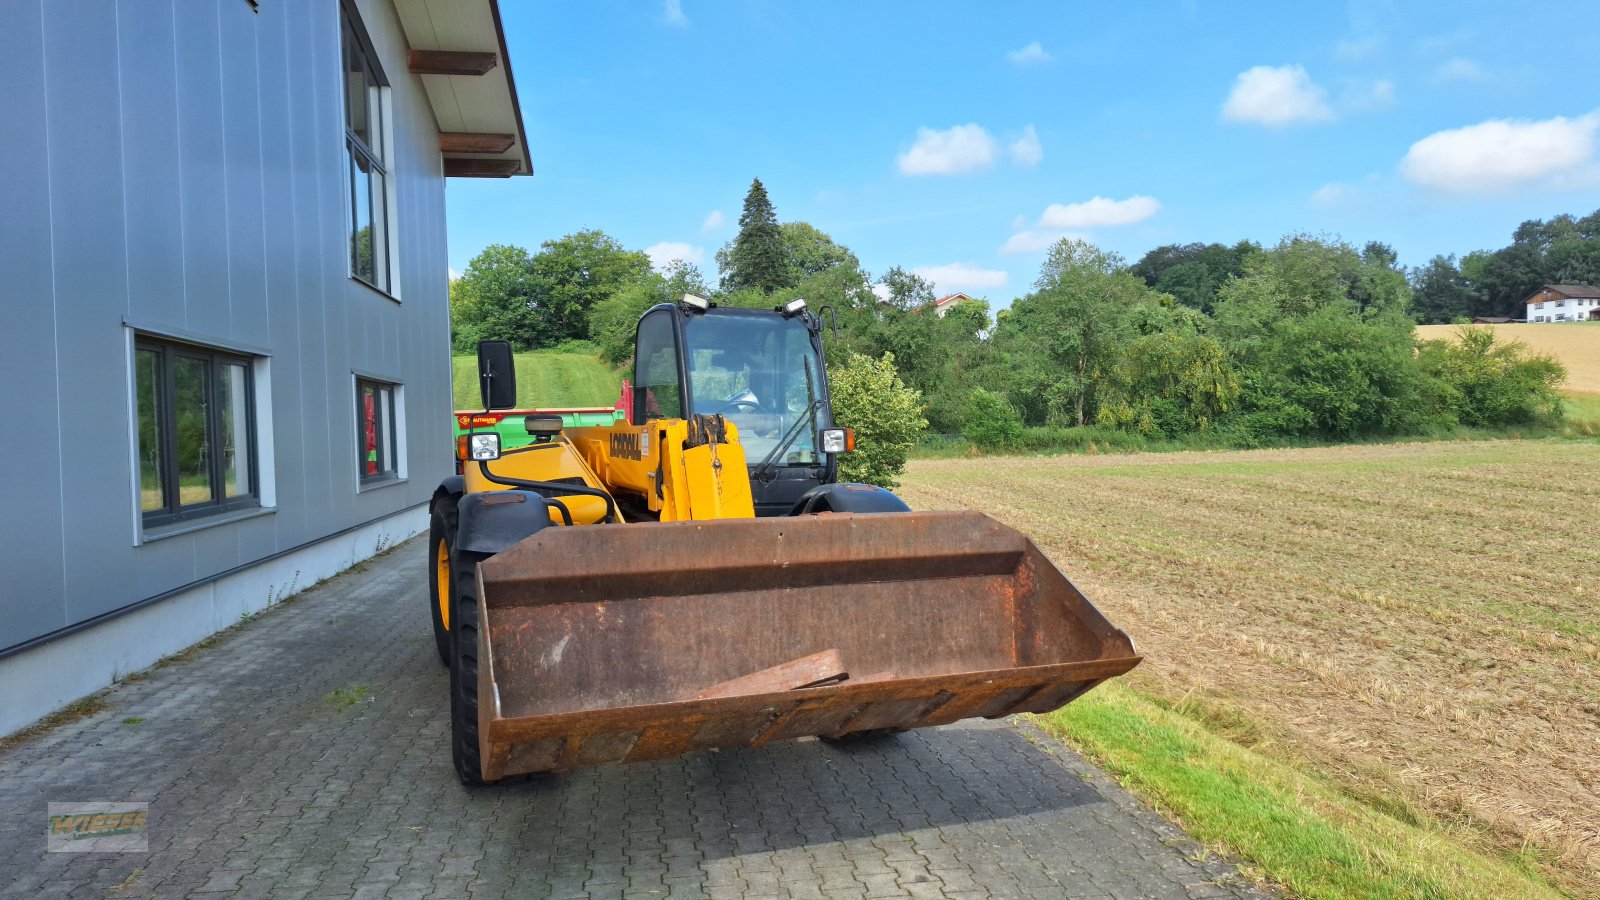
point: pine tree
(758, 258)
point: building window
(378, 458)
(197, 439)
(366, 139)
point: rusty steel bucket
(619, 643)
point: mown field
(1576, 344)
(1413, 628)
(545, 379)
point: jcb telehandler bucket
(644, 641)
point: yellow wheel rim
(441, 563)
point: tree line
(1311, 338)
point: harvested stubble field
(1419, 622)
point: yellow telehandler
(694, 575)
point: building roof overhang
(458, 50)
(1569, 291)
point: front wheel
(464, 669)
(441, 539)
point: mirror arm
(553, 488)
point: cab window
(656, 391)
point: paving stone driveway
(305, 755)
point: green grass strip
(1287, 824)
(545, 378)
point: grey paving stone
(261, 785)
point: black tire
(441, 536)
(464, 669)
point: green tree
(1170, 382)
(971, 317)
(497, 297)
(758, 257)
(810, 252)
(576, 272)
(1323, 344)
(614, 320)
(906, 290)
(538, 300)
(869, 396)
(1561, 250)
(1077, 322)
(1440, 292)
(990, 421)
(1193, 273)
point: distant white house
(943, 304)
(1564, 303)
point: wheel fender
(453, 485)
(491, 521)
(848, 497)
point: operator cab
(761, 370)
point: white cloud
(1032, 240)
(453, 273)
(713, 221)
(962, 277)
(882, 291)
(1330, 195)
(1031, 55)
(963, 148)
(1500, 154)
(1368, 96)
(1098, 212)
(1459, 70)
(1358, 49)
(1026, 150)
(672, 14)
(667, 251)
(1067, 220)
(1276, 97)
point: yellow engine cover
(558, 460)
(649, 461)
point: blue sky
(959, 139)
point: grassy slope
(1576, 344)
(1417, 623)
(1292, 826)
(546, 379)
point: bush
(990, 421)
(869, 397)
(575, 345)
(1056, 439)
(1489, 383)
(1333, 374)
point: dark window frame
(385, 427)
(356, 46)
(173, 510)
(641, 390)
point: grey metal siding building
(225, 336)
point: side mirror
(497, 375)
